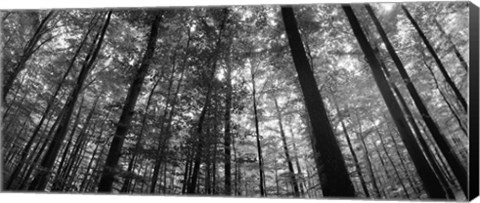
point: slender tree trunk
(199, 131)
(331, 166)
(110, 168)
(67, 148)
(128, 179)
(200, 141)
(164, 136)
(259, 146)
(431, 183)
(352, 151)
(393, 164)
(404, 166)
(439, 64)
(439, 138)
(90, 163)
(367, 158)
(454, 47)
(285, 148)
(452, 109)
(227, 136)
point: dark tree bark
(200, 140)
(328, 157)
(431, 183)
(439, 64)
(285, 149)
(257, 132)
(439, 138)
(28, 51)
(42, 177)
(110, 168)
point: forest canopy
(310, 101)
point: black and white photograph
(358, 101)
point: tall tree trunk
(110, 169)
(331, 165)
(199, 129)
(367, 158)
(402, 162)
(164, 136)
(28, 51)
(393, 163)
(227, 136)
(97, 144)
(450, 106)
(454, 47)
(131, 163)
(439, 138)
(350, 147)
(257, 130)
(42, 177)
(75, 154)
(439, 63)
(56, 180)
(200, 141)
(285, 149)
(431, 183)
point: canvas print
(351, 101)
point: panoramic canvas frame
(66, 153)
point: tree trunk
(200, 141)
(439, 64)
(164, 136)
(199, 131)
(90, 164)
(452, 109)
(439, 138)
(67, 148)
(131, 163)
(227, 136)
(285, 148)
(259, 146)
(367, 158)
(110, 169)
(431, 183)
(352, 151)
(331, 166)
(454, 47)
